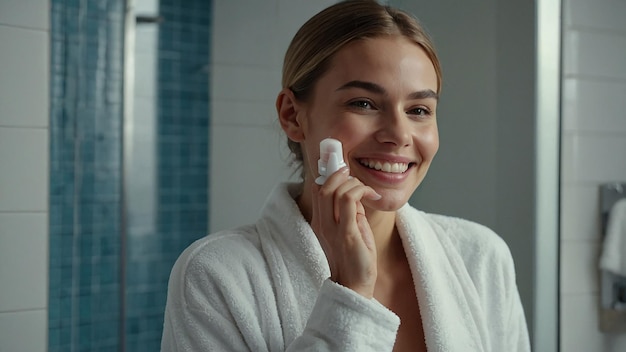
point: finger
(348, 202)
(327, 194)
(337, 178)
(366, 192)
(343, 195)
(366, 232)
(371, 194)
(340, 177)
(360, 209)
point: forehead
(383, 60)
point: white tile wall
(594, 106)
(24, 149)
(25, 13)
(579, 204)
(593, 158)
(24, 77)
(243, 113)
(24, 176)
(246, 163)
(23, 331)
(236, 83)
(579, 274)
(602, 14)
(23, 261)
(244, 32)
(594, 53)
(248, 150)
(579, 326)
(593, 150)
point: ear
(289, 109)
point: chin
(389, 202)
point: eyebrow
(377, 89)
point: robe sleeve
(342, 320)
(213, 311)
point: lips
(385, 166)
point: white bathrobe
(265, 287)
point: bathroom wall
(248, 149)
(593, 152)
(24, 104)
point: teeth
(385, 166)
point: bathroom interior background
(129, 165)
(246, 152)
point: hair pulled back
(316, 42)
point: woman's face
(379, 99)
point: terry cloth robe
(266, 287)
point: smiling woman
(350, 265)
(381, 107)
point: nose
(395, 129)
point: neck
(388, 242)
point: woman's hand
(338, 219)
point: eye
(361, 104)
(420, 111)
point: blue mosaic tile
(76, 50)
(85, 336)
(86, 108)
(65, 336)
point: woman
(349, 265)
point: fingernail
(375, 196)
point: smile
(385, 166)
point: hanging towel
(613, 257)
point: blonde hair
(316, 42)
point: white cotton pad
(331, 159)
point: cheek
(350, 134)
(429, 142)
(351, 137)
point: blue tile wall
(108, 284)
(182, 127)
(85, 175)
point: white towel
(613, 257)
